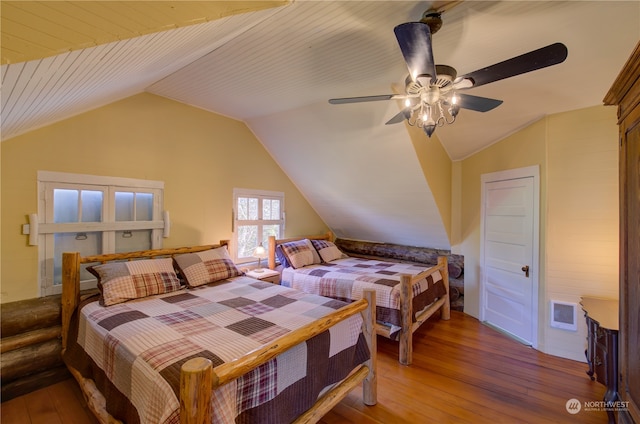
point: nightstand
(266, 275)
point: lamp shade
(260, 252)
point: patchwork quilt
(134, 350)
(346, 279)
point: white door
(509, 259)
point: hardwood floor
(463, 372)
(61, 403)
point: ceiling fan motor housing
(433, 19)
(445, 75)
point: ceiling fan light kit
(427, 108)
(432, 92)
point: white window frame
(48, 181)
(261, 195)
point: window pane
(253, 208)
(247, 240)
(144, 206)
(129, 241)
(85, 243)
(65, 205)
(91, 206)
(247, 208)
(270, 230)
(124, 206)
(271, 209)
(242, 208)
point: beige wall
(582, 216)
(577, 155)
(199, 155)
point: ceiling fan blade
(401, 116)
(414, 39)
(536, 59)
(344, 100)
(479, 104)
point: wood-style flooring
(463, 372)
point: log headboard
(273, 242)
(71, 263)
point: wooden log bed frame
(198, 378)
(442, 304)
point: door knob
(525, 269)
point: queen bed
(182, 336)
(406, 294)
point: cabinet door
(601, 362)
(630, 263)
(625, 93)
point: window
(94, 215)
(257, 215)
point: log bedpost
(195, 391)
(70, 291)
(271, 252)
(445, 313)
(406, 311)
(370, 383)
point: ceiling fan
(432, 89)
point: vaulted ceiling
(275, 64)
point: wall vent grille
(564, 315)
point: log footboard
(442, 304)
(198, 379)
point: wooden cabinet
(602, 345)
(625, 93)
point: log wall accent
(30, 348)
(421, 255)
(32, 314)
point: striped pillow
(206, 267)
(122, 281)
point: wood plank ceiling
(37, 29)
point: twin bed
(406, 294)
(181, 336)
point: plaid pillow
(282, 258)
(122, 281)
(300, 253)
(206, 267)
(328, 250)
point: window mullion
(157, 205)
(79, 217)
(249, 222)
(135, 201)
(109, 237)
